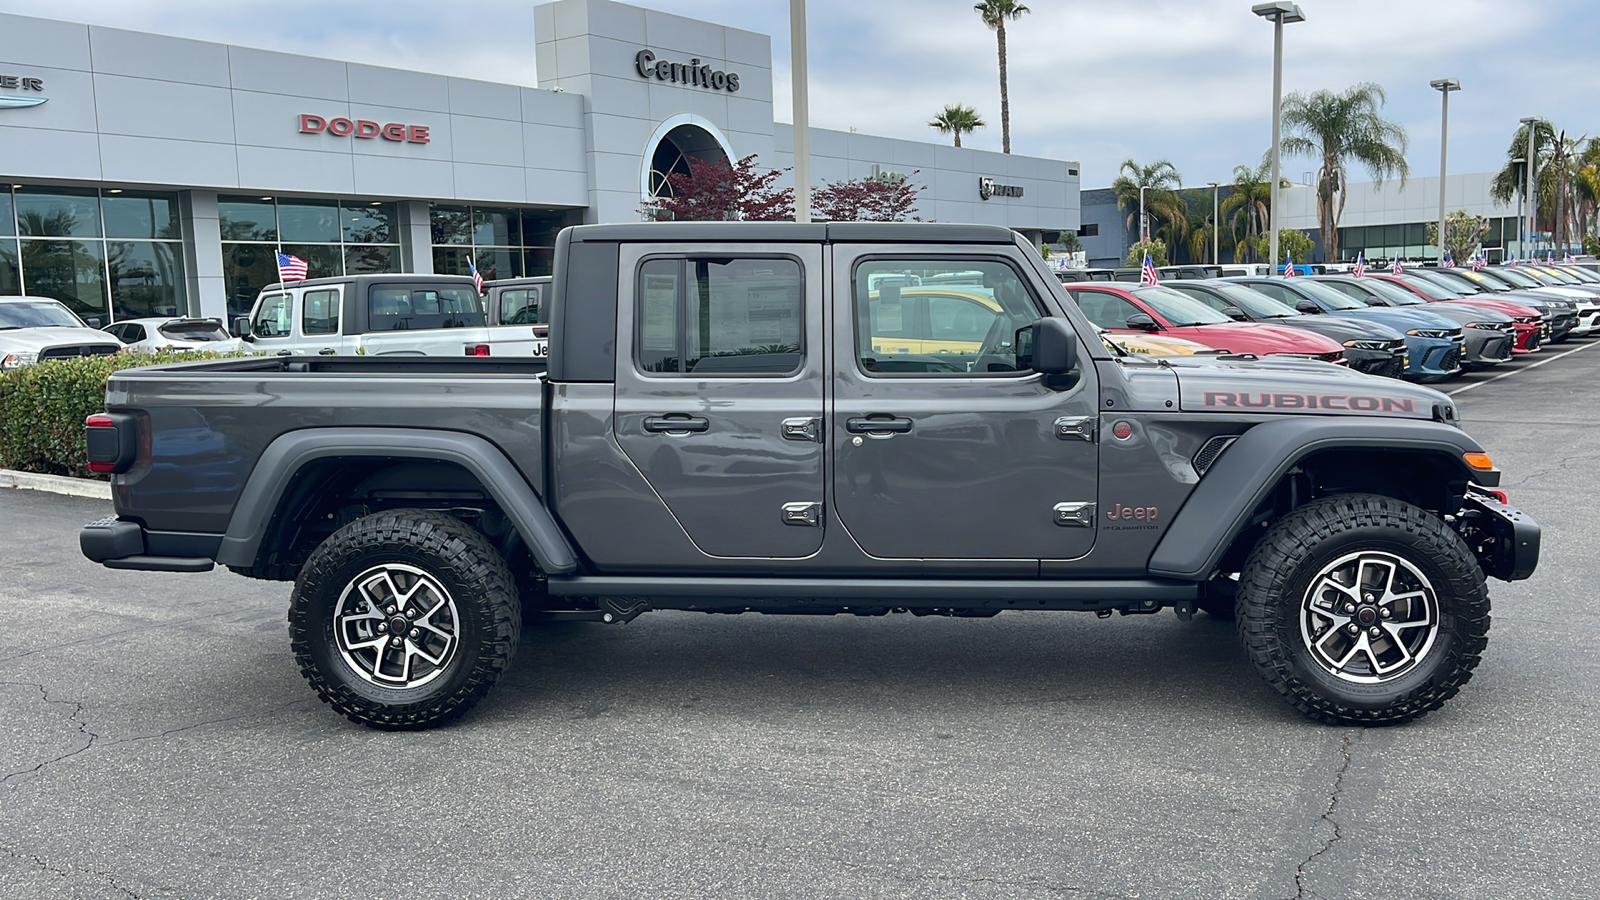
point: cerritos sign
(692, 72)
(988, 188)
(365, 129)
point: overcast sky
(1096, 81)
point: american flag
(1568, 258)
(1513, 262)
(1147, 272)
(477, 280)
(1449, 261)
(1288, 265)
(291, 268)
(1361, 266)
(1478, 262)
(1397, 268)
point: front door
(946, 446)
(720, 404)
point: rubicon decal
(365, 129)
(1331, 402)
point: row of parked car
(1423, 324)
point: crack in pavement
(1327, 816)
(101, 637)
(83, 729)
(63, 873)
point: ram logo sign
(987, 187)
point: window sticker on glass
(659, 313)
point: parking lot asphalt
(158, 741)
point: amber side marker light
(1479, 461)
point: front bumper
(1530, 337)
(1386, 363)
(1432, 357)
(1488, 346)
(1588, 322)
(1504, 538)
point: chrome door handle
(285, 353)
(676, 423)
(878, 423)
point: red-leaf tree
(717, 191)
(876, 198)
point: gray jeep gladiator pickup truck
(815, 418)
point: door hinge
(1078, 514)
(808, 513)
(1075, 428)
(803, 428)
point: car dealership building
(148, 175)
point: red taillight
(111, 439)
(106, 467)
(99, 420)
(477, 349)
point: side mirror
(1374, 301)
(93, 322)
(1142, 322)
(1308, 307)
(1048, 346)
(1234, 313)
(241, 327)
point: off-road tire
(483, 615)
(1307, 545)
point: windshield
(1455, 281)
(1547, 276)
(1327, 296)
(37, 314)
(1179, 310)
(1437, 292)
(1255, 303)
(203, 330)
(1583, 275)
(1395, 294)
(1520, 279)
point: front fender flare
(289, 453)
(1220, 505)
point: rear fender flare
(1219, 508)
(288, 454)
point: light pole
(1521, 221)
(1280, 12)
(1144, 228)
(1533, 202)
(802, 116)
(1444, 86)
(1216, 227)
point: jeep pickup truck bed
(843, 418)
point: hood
(1299, 388)
(1158, 345)
(1515, 307)
(1401, 318)
(1258, 338)
(1462, 311)
(32, 340)
(1342, 328)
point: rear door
(720, 404)
(321, 328)
(519, 325)
(958, 451)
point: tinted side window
(272, 318)
(940, 316)
(1276, 292)
(719, 316)
(406, 308)
(1105, 309)
(519, 306)
(320, 312)
(1206, 297)
(135, 334)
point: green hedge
(42, 408)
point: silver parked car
(170, 335)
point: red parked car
(1121, 308)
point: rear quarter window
(413, 307)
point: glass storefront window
(496, 227)
(135, 215)
(540, 261)
(370, 224)
(322, 260)
(73, 272)
(370, 260)
(8, 216)
(57, 212)
(308, 221)
(10, 272)
(146, 279)
(245, 219)
(451, 224)
(246, 269)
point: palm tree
(1246, 207)
(1160, 181)
(1341, 129)
(994, 14)
(1549, 155)
(957, 120)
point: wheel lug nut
(1369, 598)
(1386, 613)
(411, 614)
(416, 633)
(1352, 629)
(390, 610)
(397, 641)
(1349, 607)
(1375, 631)
(383, 626)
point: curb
(55, 484)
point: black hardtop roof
(389, 277)
(794, 232)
